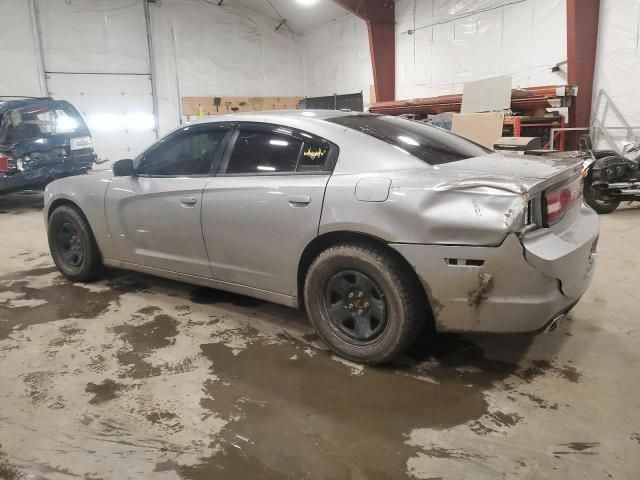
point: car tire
(349, 325)
(72, 244)
(602, 207)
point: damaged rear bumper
(518, 287)
(40, 177)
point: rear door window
(315, 156)
(262, 149)
(432, 145)
(264, 152)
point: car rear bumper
(40, 177)
(518, 287)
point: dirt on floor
(138, 377)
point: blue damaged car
(41, 140)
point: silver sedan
(379, 227)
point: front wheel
(72, 244)
(363, 303)
(595, 200)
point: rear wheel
(72, 244)
(363, 304)
(595, 200)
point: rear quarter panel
(417, 211)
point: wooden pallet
(203, 106)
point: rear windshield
(38, 122)
(432, 145)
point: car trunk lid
(524, 173)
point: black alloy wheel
(356, 307)
(70, 245)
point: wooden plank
(203, 106)
(484, 128)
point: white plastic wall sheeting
(97, 58)
(205, 50)
(94, 36)
(218, 51)
(440, 44)
(117, 109)
(616, 93)
(20, 74)
(337, 59)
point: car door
(154, 215)
(264, 206)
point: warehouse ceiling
(301, 15)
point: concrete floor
(138, 377)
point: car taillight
(4, 163)
(559, 199)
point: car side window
(315, 156)
(187, 153)
(264, 152)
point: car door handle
(299, 200)
(188, 201)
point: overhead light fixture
(307, 3)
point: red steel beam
(582, 39)
(381, 18)
(521, 100)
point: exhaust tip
(553, 324)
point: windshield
(23, 124)
(432, 145)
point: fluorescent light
(280, 143)
(306, 3)
(66, 123)
(139, 121)
(408, 140)
(108, 122)
(264, 168)
(104, 122)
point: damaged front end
(41, 140)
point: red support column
(381, 18)
(582, 39)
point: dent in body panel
(504, 294)
(416, 212)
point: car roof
(12, 103)
(277, 116)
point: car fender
(87, 192)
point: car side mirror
(123, 168)
(585, 143)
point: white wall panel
(19, 75)
(337, 59)
(101, 48)
(94, 36)
(616, 93)
(455, 41)
(117, 108)
(220, 51)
